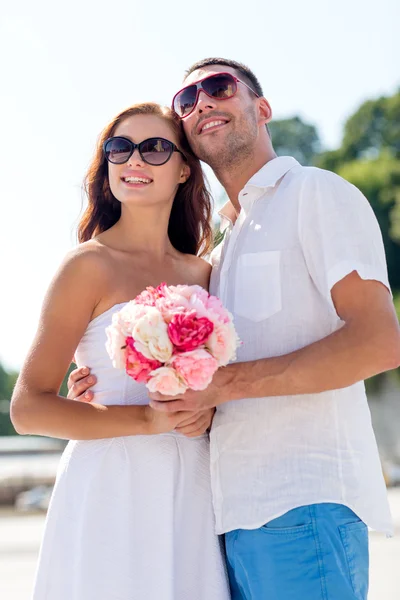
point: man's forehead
(209, 70)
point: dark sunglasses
(153, 151)
(221, 86)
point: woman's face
(136, 182)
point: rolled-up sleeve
(338, 232)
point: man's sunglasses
(153, 151)
(221, 86)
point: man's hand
(79, 383)
(197, 424)
(216, 393)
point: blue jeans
(315, 552)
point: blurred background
(330, 72)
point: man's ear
(264, 111)
(185, 173)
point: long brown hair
(189, 228)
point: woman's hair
(189, 228)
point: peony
(190, 292)
(187, 331)
(223, 342)
(171, 304)
(166, 380)
(138, 366)
(152, 331)
(217, 309)
(172, 338)
(150, 295)
(196, 368)
(128, 315)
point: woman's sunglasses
(221, 86)
(153, 151)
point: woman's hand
(79, 383)
(157, 422)
(197, 424)
(189, 423)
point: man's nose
(205, 103)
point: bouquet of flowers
(173, 338)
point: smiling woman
(192, 203)
(132, 489)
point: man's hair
(245, 73)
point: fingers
(195, 429)
(193, 418)
(168, 407)
(86, 397)
(177, 419)
(81, 386)
(76, 375)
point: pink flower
(171, 304)
(223, 343)
(150, 295)
(190, 292)
(196, 368)
(166, 380)
(138, 366)
(187, 331)
(215, 305)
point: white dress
(131, 517)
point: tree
(294, 137)
(379, 180)
(368, 158)
(374, 127)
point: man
(295, 469)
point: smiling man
(295, 469)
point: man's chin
(211, 152)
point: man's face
(222, 132)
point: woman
(131, 515)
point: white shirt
(300, 230)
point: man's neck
(234, 179)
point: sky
(67, 69)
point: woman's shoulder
(88, 255)
(199, 269)
(88, 263)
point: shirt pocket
(258, 285)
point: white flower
(223, 342)
(151, 331)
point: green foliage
(379, 180)
(369, 158)
(375, 126)
(294, 137)
(7, 383)
(64, 388)
(397, 304)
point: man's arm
(367, 344)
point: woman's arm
(36, 407)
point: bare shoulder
(82, 277)
(199, 269)
(90, 260)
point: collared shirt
(300, 230)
